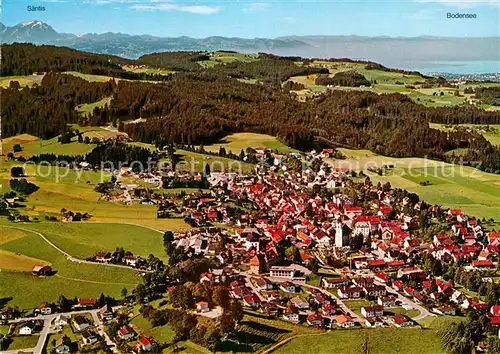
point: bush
(17, 171)
(22, 186)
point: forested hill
(202, 106)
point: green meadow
(240, 141)
(423, 339)
(71, 279)
(28, 80)
(378, 341)
(393, 82)
(90, 77)
(228, 57)
(84, 239)
(88, 108)
(31, 145)
(196, 162)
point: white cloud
(463, 3)
(257, 6)
(194, 9)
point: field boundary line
(92, 281)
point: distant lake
(458, 67)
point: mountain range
(401, 52)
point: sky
(264, 19)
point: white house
(27, 329)
(61, 321)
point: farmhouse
(103, 257)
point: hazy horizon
(265, 19)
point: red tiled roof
(376, 262)
(483, 263)
(87, 301)
(495, 310)
(144, 341)
(495, 320)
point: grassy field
(71, 279)
(31, 145)
(475, 192)
(90, 77)
(492, 136)
(257, 333)
(22, 139)
(378, 341)
(195, 162)
(392, 82)
(146, 69)
(66, 331)
(28, 80)
(96, 132)
(23, 342)
(87, 108)
(240, 141)
(83, 240)
(74, 190)
(226, 57)
(161, 334)
(13, 261)
(424, 340)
